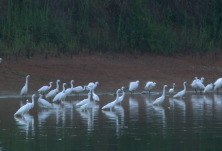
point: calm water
(194, 123)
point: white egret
(133, 86)
(84, 101)
(24, 109)
(159, 100)
(120, 99)
(43, 103)
(62, 97)
(69, 90)
(25, 88)
(194, 85)
(0, 60)
(171, 91)
(45, 88)
(86, 105)
(149, 86)
(217, 84)
(57, 97)
(181, 93)
(92, 85)
(53, 93)
(208, 87)
(95, 96)
(79, 89)
(113, 103)
(200, 85)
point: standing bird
(87, 102)
(159, 100)
(171, 91)
(69, 90)
(0, 60)
(79, 89)
(84, 101)
(92, 85)
(43, 103)
(53, 93)
(24, 109)
(113, 103)
(217, 84)
(25, 88)
(45, 88)
(150, 85)
(181, 93)
(194, 85)
(208, 87)
(95, 96)
(120, 99)
(200, 85)
(57, 97)
(133, 86)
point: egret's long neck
(173, 87)
(184, 87)
(63, 87)
(32, 99)
(50, 84)
(163, 91)
(26, 82)
(57, 88)
(123, 92)
(117, 96)
(71, 85)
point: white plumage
(25, 87)
(181, 93)
(200, 84)
(57, 97)
(208, 88)
(113, 103)
(92, 85)
(84, 101)
(24, 109)
(133, 86)
(45, 88)
(150, 85)
(43, 103)
(79, 89)
(217, 84)
(53, 93)
(86, 104)
(69, 90)
(95, 96)
(159, 100)
(120, 99)
(171, 91)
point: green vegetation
(69, 27)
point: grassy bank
(69, 27)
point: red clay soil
(111, 71)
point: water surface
(192, 123)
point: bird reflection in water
(26, 123)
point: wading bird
(159, 100)
(171, 91)
(113, 103)
(24, 90)
(181, 93)
(133, 86)
(45, 88)
(149, 86)
(53, 93)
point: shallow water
(193, 123)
